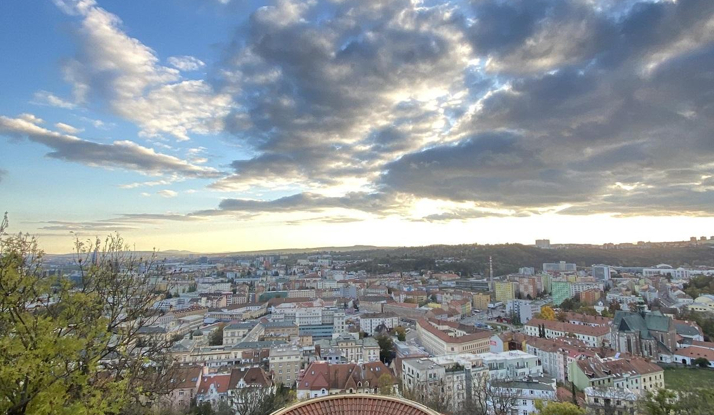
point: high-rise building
(526, 271)
(601, 272)
(505, 291)
(481, 300)
(561, 266)
(543, 243)
(561, 291)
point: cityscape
(357, 207)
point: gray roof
(686, 330)
(541, 384)
(278, 324)
(241, 326)
(259, 344)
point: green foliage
(216, 338)
(700, 285)
(687, 393)
(701, 362)
(56, 339)
(386, 348)
(705, 321)
(558, 408)
(385, 383)
(663, 402)
(401, 333)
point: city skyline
(219, 125)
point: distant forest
(473, 259)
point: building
(525, 393)
(235, 332)
(635, 374)
(185, 382)
(605, 401)
(526, 271)
(481, 301)
(363, 404)
(529, 287)
(557, 354)
(561, 291)
(561, 266)
(282, 329)
(593, 336)
(349, 349)
(520, 310)
(322, 379)
(512, 365)
(542, 243)
(285, 364)
(590, 297)
(652, 335)
(688, 355)
(455, 378)
(445, 338)
(601, 272)
(505, 291)
(369, 323)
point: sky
(229, 125)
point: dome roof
(356, 404)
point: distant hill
(509, 257)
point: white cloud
(68, 128)
(167, 193)
(120, 69)
(186, 63)
(47, 98)
(119, 154)
(31, 118)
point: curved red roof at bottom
(356, 404)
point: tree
(401, 333)
(386, 348)
(663, 402)
(385, 383)
(261, 401)
(701, 362)
(547, 313)
(73, 347)
(558, 408)
(216, 338)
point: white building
(368, 323)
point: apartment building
(370, 322)
(505, 291)
(285, 364)
(593, 336)
(446, 338)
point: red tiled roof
(695, 352)
(481, 334)
(357, 404)
(221, 383)
(345, 376)
(570, 328)
(186, 377)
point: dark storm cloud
(315, 82)
(604, 106)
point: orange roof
(478, 335)
(361, 404)
(220, 383)
(570, 328)
(695, 352)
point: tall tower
(490, 273)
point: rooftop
(361, 404)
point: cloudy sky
(220, 125)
